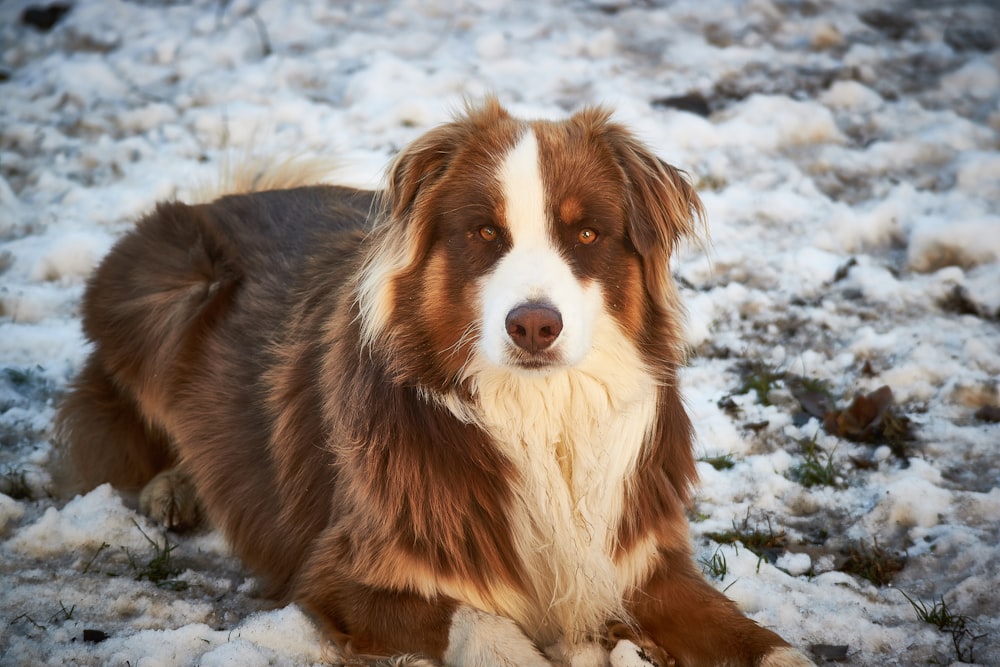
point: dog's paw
(480, 639)
(628, 654)
(786, 656)
(170, 500)
(589, 654)
(343, 656)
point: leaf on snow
(871, 418)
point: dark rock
(44, 18)
(989, 413)
(971, 38)
(94, 636)
(892, 24)
(829, 652)
(691, 102)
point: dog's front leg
(370, 622)
(698, 626)
(483, 639)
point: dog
(443, 418)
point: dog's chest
(574, 444)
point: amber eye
(488, 233)
(587, 236)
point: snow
(84, 523)
(850, 166)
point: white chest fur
(574, 436)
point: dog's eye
(587, 236)
(488, 233)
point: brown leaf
(815, 403)
(862, 419)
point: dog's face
(521, 245)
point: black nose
(534, 326)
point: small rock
(94, 636)
(44, 18)
(691, 102)
(829, 653)
(988, 413)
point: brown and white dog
(456, 433)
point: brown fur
(228, 342)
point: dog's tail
(160, 285)
(151, 299)
(248, 172)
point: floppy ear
(421, 163)
(397, 241)
(424, 161)
(661, 206)
(396, 244)
(664, 206)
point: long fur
(344, 402)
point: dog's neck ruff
(575, 436)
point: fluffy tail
(250, 172)
(145, 309)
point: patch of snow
(851, 178)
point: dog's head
(523, 246)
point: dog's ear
(421, 164)
(396, 243)
(665, 208)
(404, 209)
(662, 207)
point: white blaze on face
(574, 427)
(533, 270)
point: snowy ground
(847, 152)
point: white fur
(479, 639)
(574, 432)
(786, 656)
(575, 436)
(376, 287)
(577, 655)
(533, 269)
(628, 654)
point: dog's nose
(534, 326)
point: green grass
(160, 568)
(767, 544)
(100, 550)
(817, 467)
(720, 461)
(944, 619)
(814, 395)
(815, 385)
(27, 619)
(63, 614)
(716, 566)
(760, 378)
